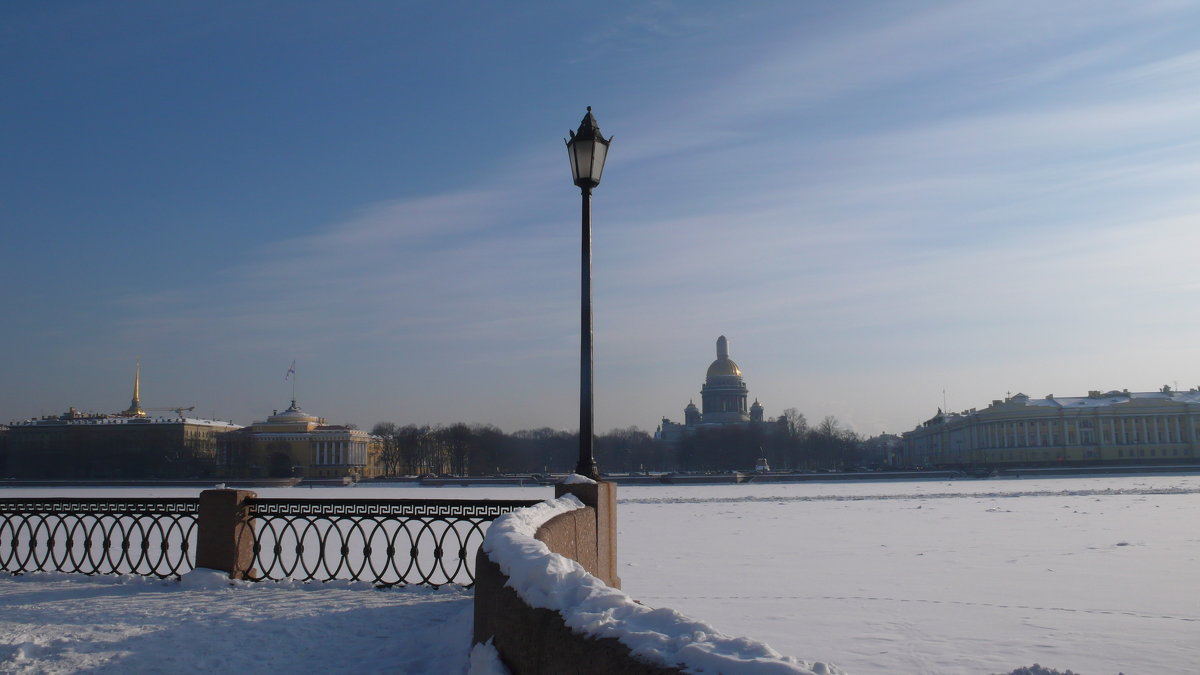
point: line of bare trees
(479, 449)
(787, 442)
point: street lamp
(587, 151)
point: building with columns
(1110, 427)
(294, 443)
(723, 398)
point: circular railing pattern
(385, 542)
(149, 537)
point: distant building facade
(723, 398)
(294, 443)
(78, 445)
(882, 450)
(1116, 426)
(129, 444)
(3, 450)
(136, 444)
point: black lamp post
(587, 150)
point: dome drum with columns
(723, 400)
(294, 443)
(723, 396)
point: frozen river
(1098, 575)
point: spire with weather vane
(135, 408)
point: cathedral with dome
(722, 399)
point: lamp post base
(588, 469)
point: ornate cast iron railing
(385, 542)
(150, 537)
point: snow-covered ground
(1098, 575)
(57, 623)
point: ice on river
(1093, 574)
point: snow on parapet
(589, 606)
(576, 479)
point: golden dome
(724, 366)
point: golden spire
(135, 408)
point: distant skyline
(873, 201)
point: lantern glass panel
(574, 163)
(582, 153)
(601, 153)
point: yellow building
(294, 443)
(1113, 427)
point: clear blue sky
(873, 201)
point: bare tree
(794, 422)
(390, 456)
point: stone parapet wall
(537, 640)
(547, 599)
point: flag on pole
(291, 371)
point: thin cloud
(1011, 215)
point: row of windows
(1116, 431)
(1036, 455)
(1153, 452)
